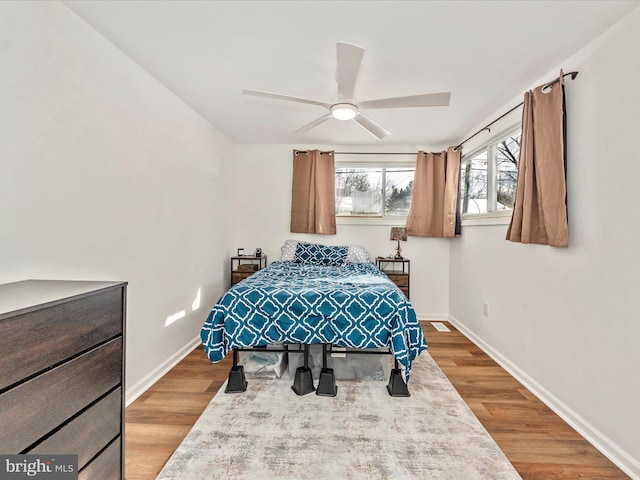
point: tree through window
(376, 191)
(488, 176)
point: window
(488, 176)
(373, 191)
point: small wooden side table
(244, 266)
(398, 270)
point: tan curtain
(540, 209)
(313, 197)
(435, 194)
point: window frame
(492, 216)
(393, 161)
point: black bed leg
(397, 387)
(327, 382)
(237, 382)
(303, 381)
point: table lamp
(398, 234)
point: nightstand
(398, 270)
(244, 266)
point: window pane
(359, 191)
(474, 184)
(399, 185)
(508, 151)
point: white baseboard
(432, 316)
(143, 385)
(604, 444)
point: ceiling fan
(349, 61)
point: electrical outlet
(485, 309)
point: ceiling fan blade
(424, 100)
(372, 127)
(349, 61)
(279, 96)
(315, 123)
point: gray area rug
(269, 432)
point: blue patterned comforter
(353, 305)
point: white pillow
(288, 251)
(357, 254)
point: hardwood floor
(158, 420)
(539, 444)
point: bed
(316, 294)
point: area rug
(268, 432)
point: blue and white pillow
(355, 253)
(315, 254)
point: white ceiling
(484, 52)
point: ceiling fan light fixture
(344, 111)
(349, 61)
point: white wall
(261, 212)
(566, 320)
(105, 174)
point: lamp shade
(398, 233)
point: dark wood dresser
(62, 372)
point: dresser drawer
(239, 276)
(33, 341)
(400, 279)
(61, 392)
(108, 466)
(88, 433)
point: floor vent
(439, 326)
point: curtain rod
(376, 153)
(361, 153)
(486, 127)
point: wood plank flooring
(539, 444)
